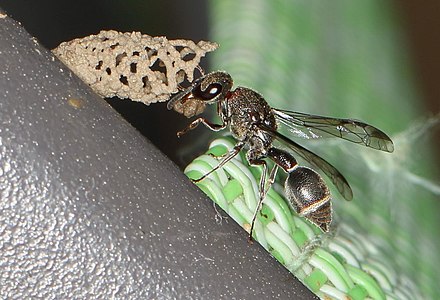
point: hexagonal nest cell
(133, 65)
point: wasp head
(208, 89)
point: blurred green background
(372, 60)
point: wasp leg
(282, 159)
(231, 154)
(208, 124)
(263, 189)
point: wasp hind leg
(281, 159)
(263, 188)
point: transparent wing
(331, 172)
(313, 127)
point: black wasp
(254, 124)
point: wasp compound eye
(211, 91)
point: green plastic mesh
(343, 263)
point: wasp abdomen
(309, 196)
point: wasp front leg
(196, 122)
(230, 155)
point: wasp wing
(313, 127)
(331, 172)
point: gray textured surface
(90, 209)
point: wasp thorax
(309, 196)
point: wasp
(255, 125)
